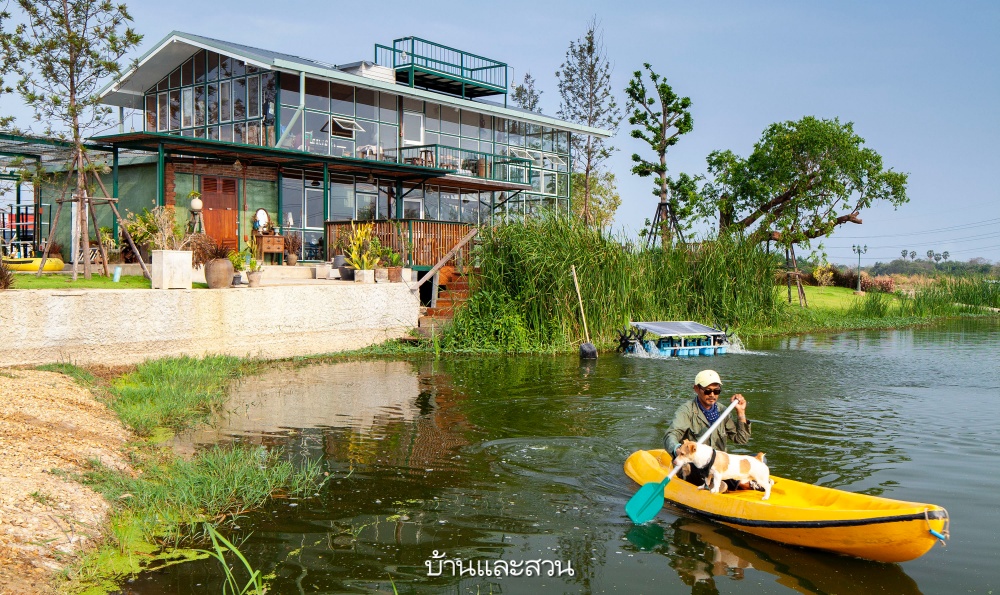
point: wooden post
(583, 314)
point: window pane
(199, 133)
(213, 103)
(366, 103)
(151, 113)
(547, 139)
(342, 99)
(550, 183)
(413, 105)
(317, 95)
(253, 97)
(175, 78)
(175, 109)
(225, 67)
(449, 120)
(213, 66)
(314, 205)
(533, 136)
(317, 133)
(366, 206)
(213, 133)
(485, 127)
(413, 128)
(289, 90)
(501, 131)
(187, 107)
(291, 200)
(449, 205)
(187, 73)
(226, 133)
(433, 117)
(431, 138)
(199, 105)
(367, 140)
(516, 137)
(383, 205)
(470, 124)
(562, 143)
(253, 133)
(240, 99)
(341, 199)
(239, 132)
(164, 84)
(431, 207)
(199, 67)
(341, 147)
(388, 137)
(449, 141)
(226, 108)
(389, 112)
(268, 92)
(312, 245)
(294, 138)
(239, 67)
(470, 207)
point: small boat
(32, 264)
(802, 514)
(673, 339)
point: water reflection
(703, 553)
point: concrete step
(276, 272)
(431, 325)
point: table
(270, 244)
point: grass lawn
(828, 298)
(62, 281)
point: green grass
(830, 298)
(64, 281)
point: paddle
(647, 502)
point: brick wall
(263, 174)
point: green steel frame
(442, 67)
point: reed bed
(523, 297)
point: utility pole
(859, 250)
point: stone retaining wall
(125, 326)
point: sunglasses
(711, 391)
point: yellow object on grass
(31, 264)
(805, 515)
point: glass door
(413, 129)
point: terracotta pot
(395, 274)
(253, 278)
(219, 273)
(381, 275)
(364, 276)
(292, 259)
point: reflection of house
(406, 138)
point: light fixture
(237, 165)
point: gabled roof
(176, 47)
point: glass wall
(217, 97)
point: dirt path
(49, 423)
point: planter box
(364, 276)
(171, 269)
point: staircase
(455, 292)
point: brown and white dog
(725, 466)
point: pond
(520, 458)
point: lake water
(520, 458)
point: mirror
(261, 220)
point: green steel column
(160, 176)
(114, 188)
(399, 199)
(326, 208)
(493, 206)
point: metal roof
(672, 328)
(177, 46)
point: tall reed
(523, 296)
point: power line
(980, 237)
(951, 228)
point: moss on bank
(159, 505)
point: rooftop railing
(476, 74)
(477, 164)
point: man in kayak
(694, 417)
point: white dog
(725, 466)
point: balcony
(422, 63)
(464, 162)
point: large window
(216, 97)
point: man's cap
(707, 378)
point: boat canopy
(673, 328)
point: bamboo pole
(583, 314)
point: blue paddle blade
(647, 502)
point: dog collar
(711, 461)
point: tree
(70, 47)
(913, 254)
(937, 257)
(8, 63)
(660, 119)
(930, 255)
(945, 255)
(587, 98)
(904, 253)
(525, 96)
(802, 180)
(604, 197)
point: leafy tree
(904, 253)
(945, 255)
(660, 117)
(604, 197)
(69, 48)
(937, 257)
(913, 254)
(9, 63)
(930, 255)
(525, 96)
(802, 180)
(587, 98)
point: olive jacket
(690, 423)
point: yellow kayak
(805, 515)
(31, 264)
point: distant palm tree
(930, 254)
(904, 253)
(913, 254)
(945, 255)
(937, 257)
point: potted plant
(172, 260)
(219, 269)
(239, 263)
(380, 253)
(360, 256)
(395, 262)
(339, 251)
(254, 267)
(293, 245)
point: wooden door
(220, 210)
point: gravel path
(49, 423)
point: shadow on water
(700, 552)
(520, 458)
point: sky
(919, 80)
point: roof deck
(421, 63)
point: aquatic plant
(220, 545)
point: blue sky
(919, 80)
